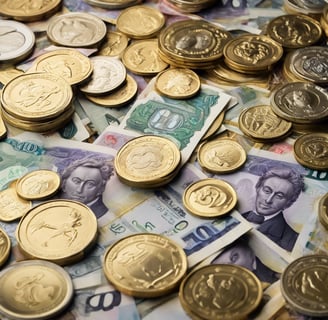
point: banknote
(184, 122)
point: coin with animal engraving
(209, 198)
(34, 289)
(220, 292)
(145, 265)
(114, 44)
(60, 231)
(221, 155)
(5, 246)
(304, 286)
(38, 184)
(12, 206)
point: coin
(178, 83)
(70, 64)
(119, 97)
(220, 292)
(300, 102)
(108, 74)
(311, 150)
(147, 160)
(260, 122)
(221, 156)
(304, 287)
(209, 198)
(17, 41)
(5, 246)
(113, 4)
(3, 129)
(34, 290)
(215, 126)
(141, 58)
(38, 184)
(145, 265)
(29, 11)
(294, 31)
(323, 210)
(12, 206)
(114, 45)
(36, 96)
(76, 29)
(140, 22)
(60, 231)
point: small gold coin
(141, 58)
(147, 160)
(323, 210)
(304, 286)
(260, 122)
(311, 150)
(5, 246)
(70, 64)
(12, 206)
(60, 231)
(140, 22)
(76, 29)
(119, 97)
(220, 292)
(215, 126)
(209, 198)
(221, 156)
(114, 45)
(38, 185)
(178, 83)
(34, 290)
(145, 265)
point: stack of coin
(113, 4)
(251, 53)
(261, 124)
(294, 31)
(191, 5)
(147, 161)
(307, 64)
(155, 267)
(222, 291)
(304, 287)
(308, 7)
(194, 44)
(39, 102)
(300, 102)
(29, 11)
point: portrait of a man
(85, 181)
(276, 190)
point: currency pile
(182, 61)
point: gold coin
(220, 292)
(38, 185)
(36, 96)
(250, 52)
(209, 198)
(29, 11)
(34, 290)
(221, 156)
(311, 150)
(5, 246)
(300, 102)
(114, 45)
(119, 97)
(147, 159)
(215, 126)
(8, 73)
(304, 287)
(145, 265)
(70, 64)
(294, 31)
(140, 22)
(323, 211)
(12, 206)
(60, 231)
(76, 29)
(178, 83)
(260, 122)
(141, 58)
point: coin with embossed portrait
(34, 290)
(155, 265)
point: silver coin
(16, 41)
